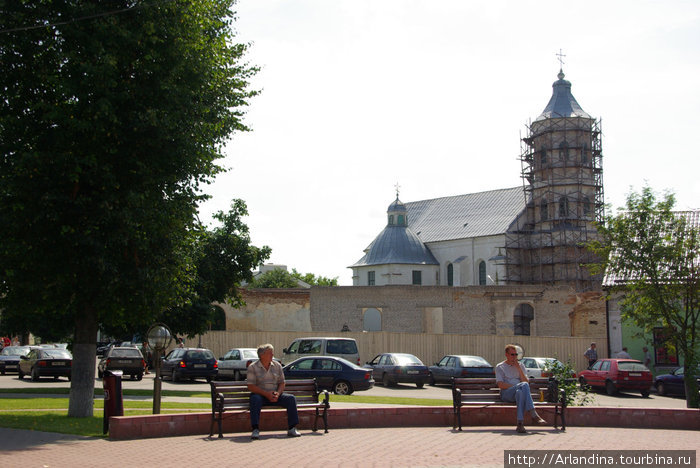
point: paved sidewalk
(400, 447)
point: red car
(618, 374)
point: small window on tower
(563, 207)
(370, 278)
(584, 154)
(401, 220)
(586, 207)
(563, 151)
(391, 220)
(544, 208)
(543, 156)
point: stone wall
(470, 310)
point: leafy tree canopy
(280, 278)
(651, 255)
(112, 118)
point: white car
(233, 364)
(535, 365)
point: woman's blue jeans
(520, 394)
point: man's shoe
(256, 434)
(293, 432)
(539, 421)
(520, 428)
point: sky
(359, 96)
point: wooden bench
(485, 392)
(235, 396)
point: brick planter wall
(169, 425)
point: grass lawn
(42, 413)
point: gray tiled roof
(397, 244)
(462, 216)
(562, 103)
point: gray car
(460, 366)
(9, 357)
(234, 364)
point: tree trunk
(82, 387)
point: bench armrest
(326, 398)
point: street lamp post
(159, 338)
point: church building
(534, 234)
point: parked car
(9, 357)
(673, 383)
(333, 373)
(454, 365)
(189, 363)
(46, 362)
(128, 360)
(393, 368)
(102, 348)
(618, 374)
(535, 367)
(345, 348)
(234, 364)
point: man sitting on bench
(265, 380)
(511, 379)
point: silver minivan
(345, 348)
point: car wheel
(100, 374)
(342, 387)
(175, 377)
(661, 389)
(35, 374)
(55, 377)
(236, 376)
(420, 384)
(139, 376)
(645, 393)
(610, 388)
(386, 381)
(3, 372)
(431, 381)
(582, 382)
(20, 375)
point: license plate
(123, 361)
(635, 374)
(412, 372)
(56, 363)
(200, 366)
(12, 366)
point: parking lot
(440, 392)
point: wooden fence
(428, 347)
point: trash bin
(114, 403)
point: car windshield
(548, 362)
(124, 352)
(631, 366)
(57, 353)
(15, 351)
(250, 354)
(200, 354)
(474, 361)
(407, 360)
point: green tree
(313, 280)
(112, 117)
(277, 278)
(651, 256)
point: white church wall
(400, 274)
(465, 255)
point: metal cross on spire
(397, 187)
(560, 57)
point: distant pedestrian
(591, 354)
(647, 357)
(147, 357)
(623, 354)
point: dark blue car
(672, 384)
(332, 373)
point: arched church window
(482, 273)
(372, 320)
(544, 208)
(586, 207)
(523, 315)
(391, 220)
(563, 151)
(563, 207)
(450, 275)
